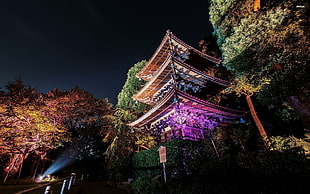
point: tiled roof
(163, 51)
(167, 104)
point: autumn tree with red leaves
(35, 123)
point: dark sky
(89, 43)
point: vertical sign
(162, 154)
(163, 159)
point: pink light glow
(188, 122)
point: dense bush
(119, 170)
(183, 159)
(194, 167)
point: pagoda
(181, 83)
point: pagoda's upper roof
(162, 79)
(175, 96)
(168, 44)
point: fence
(66, 183)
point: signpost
(163, 159)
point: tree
(264, 48)
(86, 121)
(131, 86)
(243, 87)
(83, 116)
(26, 125)
(123, 141)
(35, 123)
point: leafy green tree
(131, 86)
(265, 50)
(119, 137)
(123, 140)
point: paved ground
(95, 187)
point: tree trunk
(20, 168)
(258, 124)
(10, 166)
(215, 148)
(35, 170)
(42, 168)
(13, 166)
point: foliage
(131, 86)
(120, 170)
(183, 159)
(279, 143)
(247, 85)
(266, 50)
(143, 184)
(119, 137)
(250, 31)
(27, 123)
(194, 167)
(218, 9)
(26, 129)
(35, 123)
(83, 116)
(124, 141)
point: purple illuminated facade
(180, 83)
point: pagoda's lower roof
(176, 97)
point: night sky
(89, 43)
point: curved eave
(145, 72)
(210, 106)
(164, 105)
(161, 77)
(204, 55)
(208, 77)
(162, 51)
(157, 79)
(167, 103)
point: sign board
(162, 154)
